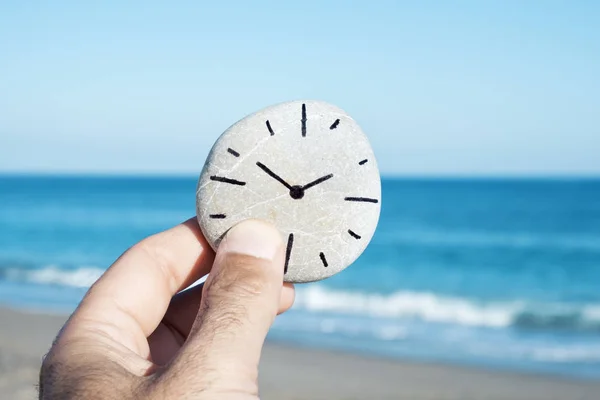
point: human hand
(135, 335)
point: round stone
(304, 166)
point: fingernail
(253, 238)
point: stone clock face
(306, 167)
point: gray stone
(306, 167)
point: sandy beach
(289, 373)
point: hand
(134, 336)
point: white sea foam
(425, 306)
(569, 354)
(592, 312)
(436, 308)
(81, 277)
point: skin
(137, 334)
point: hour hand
(317, 181)
(273, 175)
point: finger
(175, 327)
(184, 307)
(183, 310)
(130, 299)
(239, 303)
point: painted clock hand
(296, 191)
(273, 175)
(317, 181)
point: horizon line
(399, 176)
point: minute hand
(273, 175)
(316, 182)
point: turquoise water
(500, 273)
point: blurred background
(483, 116)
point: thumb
(239, 303)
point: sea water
(495, 273)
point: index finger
(132, 296)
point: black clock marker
(232, 151)
(365, 199)
(363, 162)
(217, 216)
(227, 180)
(288, 252)
(335, 124)
(323, 259)
(354, 235)
(269, 128)
(303, 120)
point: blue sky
(441, 88)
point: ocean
(496, 273)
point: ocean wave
(82, 277)
(566, 354)
(423, 306)
(560, 318)
(563, 352)
(434, 308)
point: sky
(441, 88)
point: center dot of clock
(297, 192)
